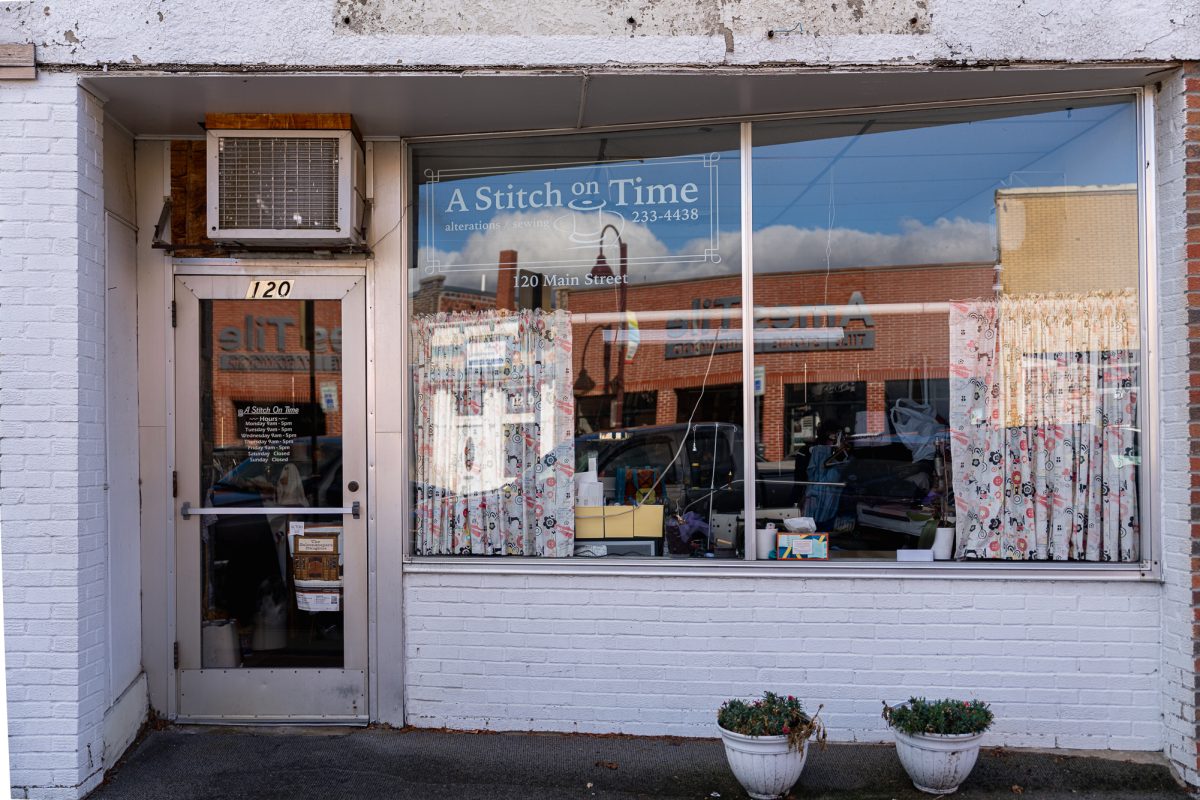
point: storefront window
(564, 332)
(946, 340)
(975, 272)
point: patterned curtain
(1043, 418)
(493, 421)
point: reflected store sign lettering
(571, 206)
(696, 335)
(260, 345)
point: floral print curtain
(1043, 418)
(493, 420)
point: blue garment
(821, 502)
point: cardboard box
(802, 546)
(619, 522)
(315, 567)
(308, 539)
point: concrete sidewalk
(198, 763)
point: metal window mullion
(1149, 421)
(749, 424)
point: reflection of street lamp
(603, 270)
(584, 383)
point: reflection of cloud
(783, 248)
(540, 242)
(778, 248)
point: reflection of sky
(893, 189)
(875, 181)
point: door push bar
(186, 511)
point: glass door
(271, 612)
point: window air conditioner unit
(285, 187)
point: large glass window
(975, 272)
(565, 339)
(945, 341)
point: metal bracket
(158, 241)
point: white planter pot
(937, 764)
(763, 764)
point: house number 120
(268, 290)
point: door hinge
(173, 319)
(176, 653)
(174, 483)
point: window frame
(1149, 566)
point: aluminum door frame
(250, 695)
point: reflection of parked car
(882, 485)
(704, 462)
(244, 551)
(252, 482)
(698, 465)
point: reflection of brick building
(886, 347)
(673, 356)
(259, 356)
(432, 296)
(1062, 238)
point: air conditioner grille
(272, 183)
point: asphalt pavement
(206, 763)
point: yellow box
(618, 522)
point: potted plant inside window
(938, 740)
(766, 742)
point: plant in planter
(766, 742)
(938, 740)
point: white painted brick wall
(1065, 664)
(668, 32)
(1178, 655)
(51, 432)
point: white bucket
(270, 626)
(219, 645)
(943, 544)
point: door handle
(187, 511)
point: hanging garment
(825, 466)
(1043, 416)
(289, 489)
(493, 413)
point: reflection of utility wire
(829, 236)
(850, 140)
(692, 416)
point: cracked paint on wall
(724, 18)
(385, 34)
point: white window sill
(729, 568)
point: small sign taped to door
(329, 397)
(319, 600)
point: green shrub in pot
(772, 715)
(942, 717)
